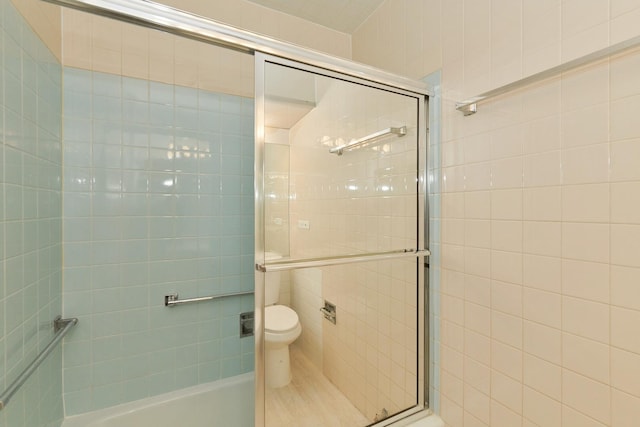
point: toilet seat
(280, 319)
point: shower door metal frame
(421, 252)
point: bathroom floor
(310, 400)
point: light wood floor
(310, 400)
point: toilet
(281, 328)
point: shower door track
(161, 17)
(338, 260)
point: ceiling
(342, 15)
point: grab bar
(401, 131)
(60, 327)
(173, 299)
(337, 260)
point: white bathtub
(224, 403)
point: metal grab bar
(338, 260)
(61, 327)
(469, 106)
(401, 131)
(173, 299)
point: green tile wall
(30, 220)
(158, 198)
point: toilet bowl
(281, 328)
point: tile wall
(306, 300)
(539, 223)
(379, 180)
(276, 188)
(99, 44)
(45, 20)
(276, 208)
(402, 36)
(158, 198)
(362, 201)
(30, 220)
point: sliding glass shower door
(339, 223)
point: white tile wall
(562, 305)
(276, 209)
(306, 300)
(99, 44)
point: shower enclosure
(171, 195)
(356, 205)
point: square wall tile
(137, 208)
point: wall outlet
(303, 224)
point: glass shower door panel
(341, 180)
(370, 353)
(364, 367)
(361, 199)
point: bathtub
(223, 403)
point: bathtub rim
(104, 414)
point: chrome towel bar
(469, 106)
(60, 327)
(401, 131)
(337, 260)
(173, 299)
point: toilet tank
(271, 281)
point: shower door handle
(338, 260)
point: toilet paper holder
(329, 311)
